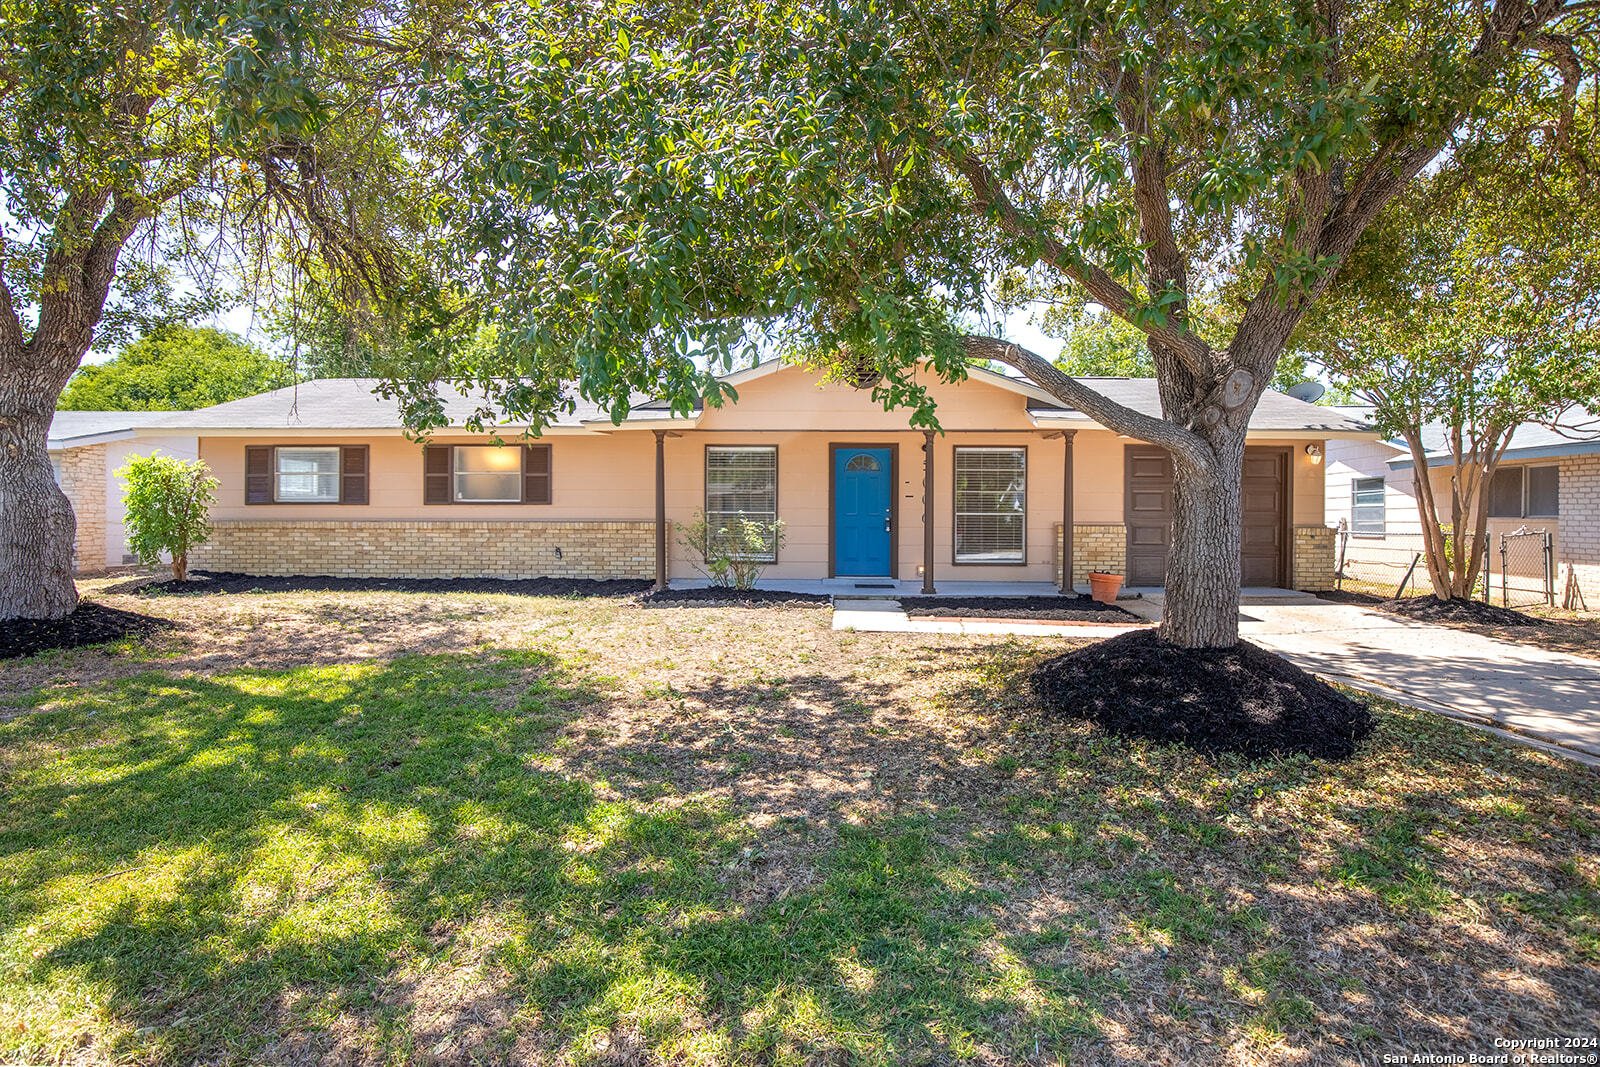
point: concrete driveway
(1538, 696)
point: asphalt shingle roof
(1276, 411)
(67, 426)
(351, 404)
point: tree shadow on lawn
(444, 859)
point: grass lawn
(392, 828)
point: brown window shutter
(536, 474)
(258, 474)
(353, 474)
(436, 474)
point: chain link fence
(1521, 569)
(1518, 567)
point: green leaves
(167, 501)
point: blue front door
(862, 495)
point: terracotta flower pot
(1103, 587)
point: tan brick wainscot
(431, 549)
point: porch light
(1314, 450)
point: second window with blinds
(991, 505)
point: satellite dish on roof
(1309, 392)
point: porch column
(927, 511)
(1066, 513)
(661, 510)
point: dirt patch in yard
(89, 624)
(202, 583)
(1555, 629)
(1064, 608)
(1241, 699)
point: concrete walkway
(1550, 700)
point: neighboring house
(1546, 481)
(320, 478)
(86, 448)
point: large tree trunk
(36, 521)
(1202, 594)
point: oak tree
(648, 190)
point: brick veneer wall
(1580, 523)
(1313, 564)
(431, 549)
(1105, 548)
(83, 479)
(1094, 548)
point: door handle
(887, 528)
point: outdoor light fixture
(1314, 450)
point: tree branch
(1104, 410)
(1106, 290)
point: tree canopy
(1472, 305)
(243, 143)
(173, 369)
(651, 184)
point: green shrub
(732, 554)
(167, 501)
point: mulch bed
(723, 597)
(1429, 608)
(1241, 699)
(203, 583)
(1066, 608)
(89, 624)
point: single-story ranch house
(319, 478)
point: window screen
(1544, 491)
(488, 474)
(742, 483)
(307, 475)
(1505, 493)
(991, 504)
(1367, 507)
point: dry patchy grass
(390, 828)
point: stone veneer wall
(1312, 566)
(431, 549)
(1102, 548)
(1580, 524)
(83, 479)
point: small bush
(167, 501)
(732, 554)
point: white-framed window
(487, 474)
(55, 467)
(1367, 507)
(307, 475)
(742, 483)
(1525, 492)
(991, 501)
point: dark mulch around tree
(89, 624)
(1241, 699)
(1430, 608)
(207, 582)
(723, 597)
(1069, 608)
